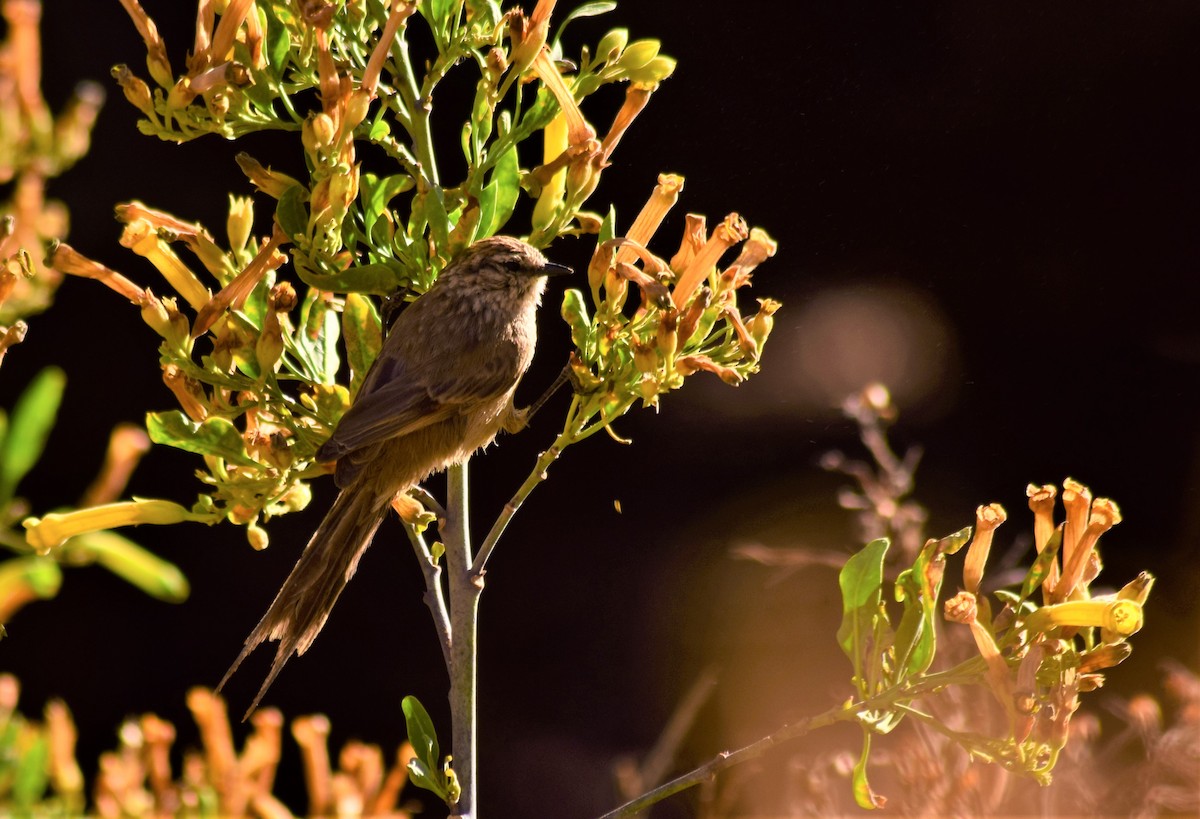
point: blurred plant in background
(39, 774)
(34, 147)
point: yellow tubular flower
(54, 529)
(1121, 617)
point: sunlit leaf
(214, 436)
(499, 196)
(863, 795)
(1041, 566)
(918, 589)
(364, 335)
(421, 733)
(377, 192)
(132, 563)
(28, 427)
(379, 278)
(593, 9)
(861, 582)
(32, 773)
(291, 212)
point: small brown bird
(441, 388)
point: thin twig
(895, 697)
(435, 597)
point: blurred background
(991, 210)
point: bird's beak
(553, 269)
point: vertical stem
(464, 586)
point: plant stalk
(464, 586)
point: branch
(434, 596)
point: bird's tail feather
(307, 596)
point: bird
(440, 389)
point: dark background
(993, 209)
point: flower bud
(638, 54)
(257, 537)
(762, 322)
(652, 73)
(135, 90)
(272, 183)
(240, 222)
(612, 44)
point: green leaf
(593, 9)
(608, 227)
(279, 41)
(215, 436)
(422, 777)
(379, 278)
(318, 336)
(1041, 566)
(423, 736)
(574, 313)
(32, 774)
(863, 795)
(291, 211)
(30, 424)
(918, 589)
(861, 582)
(375, 193)
(499, 197)
(29, 576)
(363, 332)
(439, 13)
(132, 563)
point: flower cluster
(39, 773)
(1040, 658)
(685, 317)
(34, 147)
(254, 357)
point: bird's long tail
(327, 563)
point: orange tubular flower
(987, 519)
(65, 259)
(578, 130)
(724, 236)
(664, 197)
(234, 293)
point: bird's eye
(513, 264)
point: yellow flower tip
(1137, 589)
(961, 608)
(989, 517)
(1075, 493)
(1105, 514)
(1041, 496)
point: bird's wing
(399, 402)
